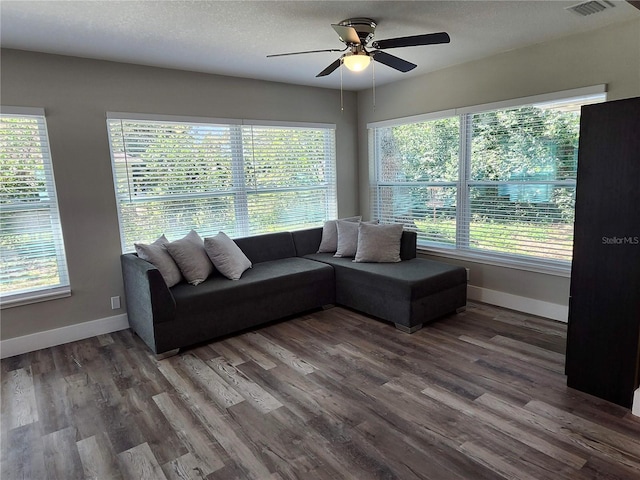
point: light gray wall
(76, 93)
(607, 56)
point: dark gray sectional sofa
(287, 278)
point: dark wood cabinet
(603, 339)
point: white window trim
(153, 117)
(44, 295)
(576, 93)
(33, 111)
(538, 265)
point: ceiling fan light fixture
(356, 62)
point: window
(417, 178)
(33, 259)
(496, 184)
(244, 178)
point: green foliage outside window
(518, 177)
(30, 242)
(240, 179)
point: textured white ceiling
(233, 37)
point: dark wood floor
(331, 395)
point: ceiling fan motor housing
(365, 28)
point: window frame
(62, 289)
(461, 248)
(240, 188)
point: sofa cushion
(226, 256)
(306, 241)
(378, 243)
(410, 279)
(191, 257)
(266, 279)
(157, 254)
(267, 247)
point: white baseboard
(531, 306)
(58, 336)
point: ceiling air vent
(587, 8)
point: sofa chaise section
(408, 293)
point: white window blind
(172, 176)
(523, 164)
(486, 183)
(289, 175)
(33, 258)
(417, 175)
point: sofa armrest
(149, 300)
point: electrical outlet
(115, 303)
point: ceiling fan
(356, 33)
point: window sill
(22, 299)
(547, 268)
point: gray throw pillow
(191, 257)
(378, 243)
(329, 242)
(347, 238)
(226, 256)
(157, 254)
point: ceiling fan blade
(308, 51)
(393, 61)
(413, 41)
(347, 34)
(330, 69)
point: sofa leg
(167, 354)
(406, 329)
(461, 309)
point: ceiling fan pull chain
(341, 96)
(373, 74)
